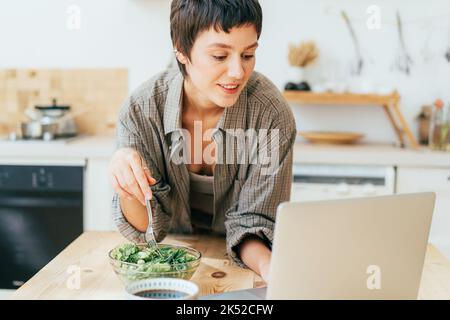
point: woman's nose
(236, 69)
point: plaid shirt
(245, 199)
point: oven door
(35, 225)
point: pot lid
(54, 106)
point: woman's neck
(196, 104)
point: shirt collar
(233, 117)
(174, 104)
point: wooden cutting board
(97, 93)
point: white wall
(114, 33)
(135, 34)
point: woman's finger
(122, 184)
(118, 189)
(141, 178)
(131, 184)
(149, 176)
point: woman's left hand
(264, 271)
(256, 255)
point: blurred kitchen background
(368, 83)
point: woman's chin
(225, 102)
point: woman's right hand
(129, 176)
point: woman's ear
(180, 57)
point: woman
(178, 137)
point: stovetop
(18, 139)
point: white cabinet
(436, 180)
(98, 195)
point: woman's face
(220, 65)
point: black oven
(41, 212)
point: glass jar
(440, 127)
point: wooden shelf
(339, 98)
(390, 104)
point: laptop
(361, 248)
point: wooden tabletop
(87, 256)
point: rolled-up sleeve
(260, 194)
(132, 134)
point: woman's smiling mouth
(230, 88)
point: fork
(149, 235)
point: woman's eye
(220, 58)
(245, 57)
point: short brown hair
(190, 17)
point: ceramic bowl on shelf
(331, 137)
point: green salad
(143, 261)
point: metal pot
(49, 122)
(58, 115)
(38, 130)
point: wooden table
(87, 256)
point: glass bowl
(129, 272)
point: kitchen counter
(98, 281)
(81, 147)
(359, 154)
(369, 154)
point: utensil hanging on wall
(360, 63)
(403, 61)
(426, 53)
(447, 54)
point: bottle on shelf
(440, 127)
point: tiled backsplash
(94, 94)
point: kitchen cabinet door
(98, 196)
(436, 180)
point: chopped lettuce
(147, 262)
